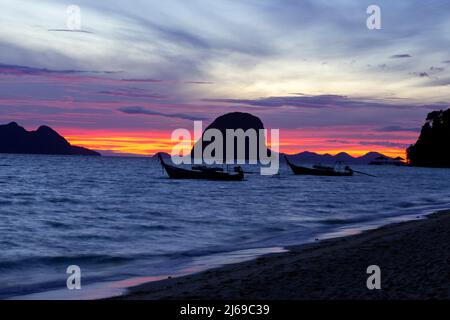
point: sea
(123, 222)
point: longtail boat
(201, 173)
(319, 170)
(207, 169)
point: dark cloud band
(143, 111)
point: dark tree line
(432, 149)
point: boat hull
(180, 173)
(298, 170)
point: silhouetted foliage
(432, 149)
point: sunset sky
(136, 70)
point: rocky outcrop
(45, 140)
(235, 121)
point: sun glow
(138, 143)
(150, 143)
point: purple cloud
(69, 30)
(131, 94)
(387, 144)
(321, 101)
(421, 74)
(32, 71)
(143, 111)
(397, 129)
(142, 80)
(437, 69)
(401, 56)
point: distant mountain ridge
(312, 157)
(45, 140)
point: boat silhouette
(319, 170)
(201, 172)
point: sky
(134, 71)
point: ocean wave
(62, 260)
(159, 227)
(64, 200)
(338, 221)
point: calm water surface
(121, 218)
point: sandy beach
(414, 258)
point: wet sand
(414, 258)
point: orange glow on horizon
(138, 143)
(149, 143)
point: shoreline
(414, 258)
